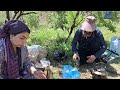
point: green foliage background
(53, 33)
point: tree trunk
(73, 26)
(7, 16)
(17, 15)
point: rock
(98, 75)
(36, 52)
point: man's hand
(76, 57)
(91, 59)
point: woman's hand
(39, 75)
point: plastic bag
(59, 56)
(36, 52)
(115, 45)
(69, 72)
(108, 15)
(45, 62)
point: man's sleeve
(75, 40)
(102, 44)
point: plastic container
(115, 45)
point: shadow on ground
(107, 68)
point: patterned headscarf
(12, 66)
(13, 27)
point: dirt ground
(112, 71)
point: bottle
(77, 62)
(49, 72)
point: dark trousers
(83, 57)
(90, 49)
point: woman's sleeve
(27, 63)
(2, 56)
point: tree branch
(79, 23)
(19, 15)
(15, 14)
(73, 26)
(8, 15)
(22, 13)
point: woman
(14, 61)
(91, 43)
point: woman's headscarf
(13, 27)
(11, 67)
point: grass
(53, 39)
(109, 34)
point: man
(90, 41)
